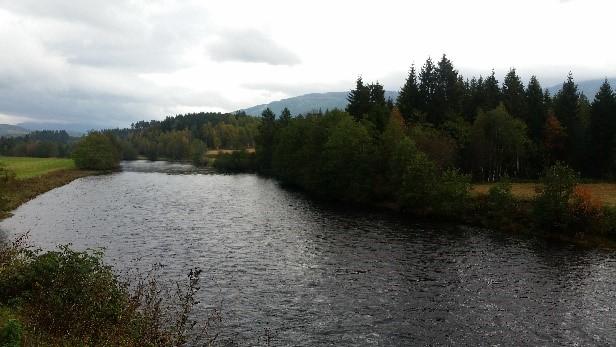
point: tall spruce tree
(427, 89)
(359, 100)
(265, 141)
(491, 93)
(536, 110)
(514, 96)
(566, 108)
(603, 131)
(448, 93)
(377, 94)
(408, 99)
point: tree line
(43, 144)
(492, 130)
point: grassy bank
(35, 176)
(27, 167)
(604, 192)
(69, 298)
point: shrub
(415, 174)
(551, 206)
(585, 211)
(66, 297)
(452, 193)
(96, 151)
(238, 161)
(10, 334)
(500, 196)
(6, 176)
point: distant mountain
(588, 87)
(309, 102)
(73, 129)
(8, 130)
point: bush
(96, 151)
(66, 297)
(414, 174)
(551, 206)
(585, 211)
(10, 334)
(6, 176)
(452, 193)
(239, 161)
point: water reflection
(323, 275)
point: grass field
(34, 167)
(604, 192)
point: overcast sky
(113, 62)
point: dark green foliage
(451, 194)
(500, 196)
(514, 96)
(265, 140)
(603, 132)
(359, 100)
(55, 281)
(96, 151)
(42, 144)
(238, 161)
(567, 109)
(408, 101)
(6, 177)
(72, 298)
(536, 110)
(491, 91)
(498, 144)
(551, 206)
(10, 334)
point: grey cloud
(250, 46)
(294, 89)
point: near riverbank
(35, 176)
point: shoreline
(24, 190)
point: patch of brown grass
(605, 193)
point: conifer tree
(359, 100)
(377, 94)
(448, 93)
(536, 109)
(285, 116)
(491, 93)
(408, 99)
(514, 97)
(566, 108)
(603, 130)
(265, 140)
(427, 88)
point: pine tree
(377, 94)
(265, 140)
(427, 89)
(514, 96)
(359, 100)
(566, 108)
(491, 93)
(408, 99)
(285, 116)
(536, 109)
(603, 130)
(448, 93)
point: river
(316, 274)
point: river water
(321, 275)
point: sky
(109, 63)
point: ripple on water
(319, 275)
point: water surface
(321, 275)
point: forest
(422, 151)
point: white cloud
(114, 62)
